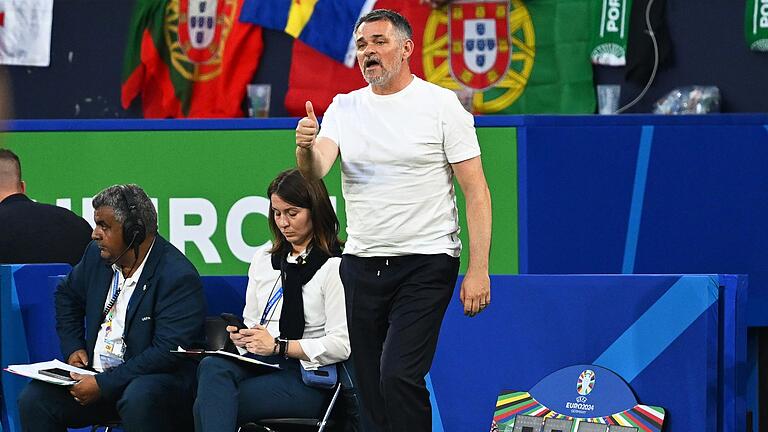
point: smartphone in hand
(234, 320)
(57, 373)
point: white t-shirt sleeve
(329, 127)
(460, 139)
(333, 347)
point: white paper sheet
(32, 371)
(220, 353)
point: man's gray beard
(376, 81)
(384, 78)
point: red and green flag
(189, 58)
(550, 71)
(318, 78)
(543, 45)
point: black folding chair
(291, 424)
(218, 338)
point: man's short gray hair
(399, 22)
(118, 196)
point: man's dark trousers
(395, 306)
(154, 402)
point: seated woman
(295, 312)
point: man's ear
(23, 186)
(408, 47)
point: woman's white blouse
(326, 339)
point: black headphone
(134, 231)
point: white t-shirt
(326, 339)
(397, 180)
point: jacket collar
(18, 197)
(151, 263)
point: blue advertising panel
(662, 334)
(646, 194)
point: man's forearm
(308, 161)
(478, 208)
(316, 160)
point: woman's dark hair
(296, 190)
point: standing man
(121, 310)
(401, 141)
(32, 232)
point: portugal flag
(189, 58)
(548, 68)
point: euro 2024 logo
(584, 386)
(586, 382)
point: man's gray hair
(401, 25)
(118, 196)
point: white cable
(655, 60)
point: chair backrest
(216, 335)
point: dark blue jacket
(166, 310)
(33, 232)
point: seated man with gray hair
(131, 300)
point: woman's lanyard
(273, 299)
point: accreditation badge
(114, 355)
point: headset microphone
(126, 250)
(133, 225)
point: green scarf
(756, 24)
(610, 42)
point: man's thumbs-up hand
(307, 129)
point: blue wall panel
(704, 201)
(706, 206)
(579, 183)
(539, 324)
(685, 393)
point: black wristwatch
(282, 344)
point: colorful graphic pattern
(586, 382)
(511, 404)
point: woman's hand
(236, 336)
(257, 340)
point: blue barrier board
(661, 333)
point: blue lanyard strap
(115, 292)
(270, 304)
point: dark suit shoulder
(18, 209)
(172, 258)
(33, 232)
